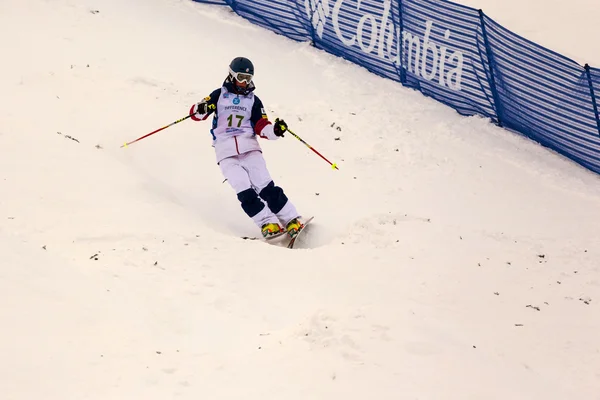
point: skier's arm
(201, 111)
(262, 126)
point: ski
(270, 239)
(293, 240)
(275, 238)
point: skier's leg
(273, 195)
(252, 205)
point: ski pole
(158, 130)
(333, 166)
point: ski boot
(271, 230)
(293, 227)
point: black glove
(280, 127)
(204, 107)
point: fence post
(589, 77)
(313, 9)
(401, 44)
(491, 62)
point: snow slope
(449, 259)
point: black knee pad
(251, 204)
(274, 197)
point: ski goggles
(241, 76)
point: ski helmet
(241, 69)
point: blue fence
(456, 55)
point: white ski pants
(261, 200)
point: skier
(239, 117)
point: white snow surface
(449, 259)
